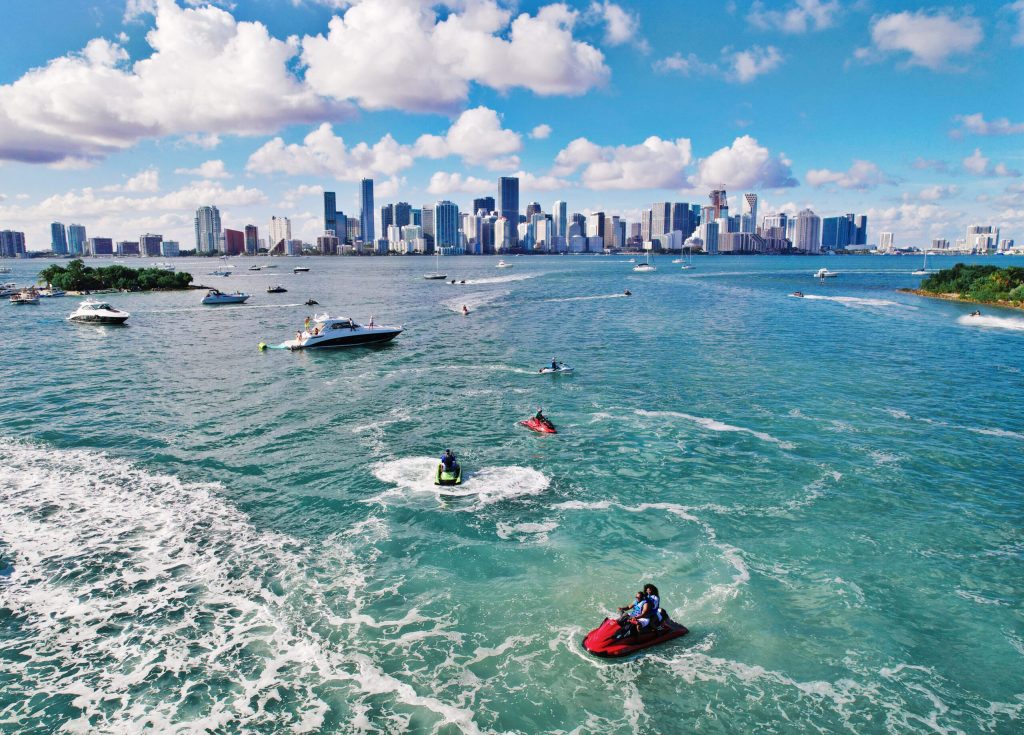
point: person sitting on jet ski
(539, 416)
(652, 613)
(554, 364)
(448, 461)
(632, 611)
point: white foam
(537, 532)
(992, 322)
(488, 484)
(856, 301)
(497, 279)
(997, 432)
(716, 425)
(586, 298)
(473, 301)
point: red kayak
(601, 640)
(542, 427)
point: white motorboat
(91, 311)
(326, 331)
(4, 269)
(214, 297)
(644, 267)
(26, 296)
(503, 264)
(220, 272)
(255, 267)
(923, 270)
(165, 267)
(825, 273)
(300, 269)
(9, 289)
(51, 292)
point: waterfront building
(708, 234)
(886, 242)
(635, 234)
(149, 245)
(170, 248)
(661, 219)
(807, 232)
(127, 247)
(58, 239)
(533, 208)
(561, 221)
(596, 226)
(483, 203)
(1005, 245)
(366, 214)
(982, 238)
(76, 239)
(748, 217)
(646, 225)
(385, 219)
(328, 243)
(280, 233)
(940, 243)
(101, 246)
(234, 242)
(252, 240)
(719, 204)
(861, 223)
(502, 234)
(427, 223)
(416, 217)
(330, 212)
(208, 229)
(508, 205)
(683, 219)
(446, 224)
(12, 244)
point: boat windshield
(342, 324)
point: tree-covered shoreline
(985, 284)
(77, 276)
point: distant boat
(503, 264)
(824, 273)
(923, 270)
(214, 297)
(437, 275)
(644, 267)
(25, 296)
(300, 269)
(688, 263)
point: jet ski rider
(554, 364)
(448, 461)
(634, 610)
(650, 610)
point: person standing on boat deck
(307, 324)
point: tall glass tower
(330, 213)
(508, 205)
(58, 239)
(366, 213)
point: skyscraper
(807, 234)
(12, 243)
(330, 212)
(683, 219)
(446, 224)
(234, 242)
(661, 219)
(427, 223)
(748, 223)
(280, 233)
(861, 223)
(386, 219)
(252, 240)
(508, 205)
(886, 241)
(207, 229)
(76, 239)
(366, 210)
(558, 214)
(719, 204)
(58, 239)
(484, 203)
(533, 208)
(149, 245)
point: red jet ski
(541, 427)
(601, 640)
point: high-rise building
(981, 238)
(533, 208)
(708, 234)
(328, 243)
(76, 239)
(386, 214)
(446, 224)
(558, 215)
(661, 219)
(330, 212)
(207, 230)
(252, 239)
(748, 223)
(719, 204)
(683, 219)
(101, 246)
(280, 234)
(886, 241)
(366, 214)
(12, 244)
(234, 242)
(861, 223)
(646, 225)
(427, 223)
(127, 247)
(149, 245)
(508, 205)
(170, 248)
(807, 235)
(58, 239)
(484, 203)
(596, 227)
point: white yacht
(91, 311)
(300, 269)
(503, 264)
(9, 289)
(255, 267)
(220, 272)
(214, 297)
(165, 267)
(644, 267)
(326, 331)
(825, 273)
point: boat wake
(716, 425)
(857, 302)
(992, 322)
(586, 298)
(487, 485)
(473, 301)
(496, 279)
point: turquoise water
(199, 537)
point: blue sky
(126, 115)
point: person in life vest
(448, 461)
(648, 618)
(633, 610)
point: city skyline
(572, 118)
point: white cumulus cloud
(621, 26)
(442, 183)
(976, 124)
(929, 39)
(322, 153)
(653, 164)
(145, 181)
(741, 66)
(980, 165)
(478, 138)
(798, 17)
(747, 65)
(207, 170)
(541, 132)
(400, 54)
(743, 165)
(862, 175)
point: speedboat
(312, 302)
(91, 311)
(326, 331)
(4, 269)
(51, 292)
(541, 426)
(448, 477)
(797, 294)
(644, 267)
(562, 368)
(27, 296)
(503, 264)
(165, 267)
(220, 272)
(214, 297)
(825, 273)
(277, 289)
(255, 267)
(603, 640)
(300, 269)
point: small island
(979, 284)
(79, 277)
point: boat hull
(362, 339)
(101, 320)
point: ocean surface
(200, 537)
